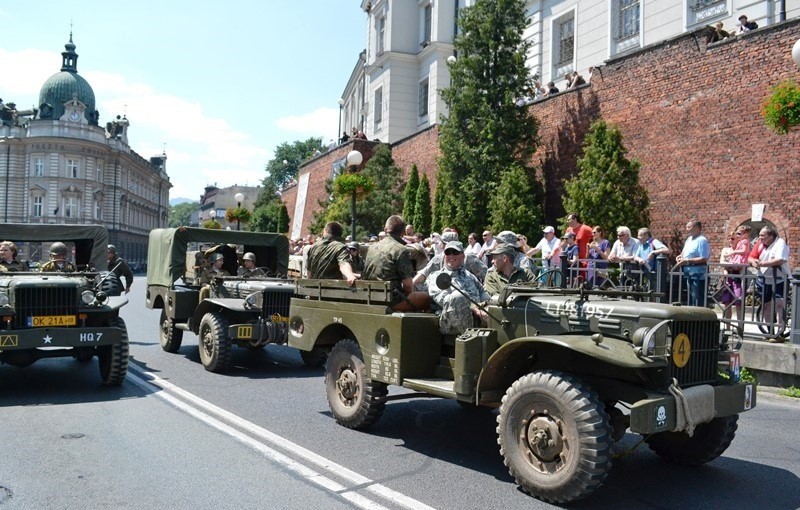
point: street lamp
(354, 158)
(212, 214)
(239, 199)
(341, 105)
(7, 141)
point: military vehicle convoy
(76, 314)
(248, 312)
(570, 371)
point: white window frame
(38, 167)
(37, 204)
(378, 111)
(704, 12)
(561, 66)
(380, 36)
(70, 206)
(73, 168)
(426, 11)
(99, 172)
(423, 97)
(98, 207)
(621, 42)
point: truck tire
(171, 337)
(111, 284)
(355, 400)
(113, 359)
(314, 358)
(554, 436)
(213, 342)
(709, 441)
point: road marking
(360, 482)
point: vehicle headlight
(251, 301)
(87, 296)
(3, 299)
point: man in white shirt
(549, 246)
(773, 270)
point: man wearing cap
(505, 272)
(549, 246)
(119, 267)
(249, 269)
(356, 261)
(214, 270)
(457, 312)
(471, 262)
(57, 262)
(329, 259)
(520, 259)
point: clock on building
(75, 115)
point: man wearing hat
(119, 267)
(471, 262)
(214, 270)
(520, 259)
(329, 258)
(505, 272)
(249, 269)
(57, 262)
(457, 312)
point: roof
(60, 87)
(91, 241)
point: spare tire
(109, 283)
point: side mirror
(443, 281)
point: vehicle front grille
(43, 301)
(277, 303)
(701, 367)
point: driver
(57, 262)
(249, 269)
(457, 312)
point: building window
(423, 98)
(38, 206)
(100, 172)
(378, 107)
(381, 35)
(427, 19)
(628, 19)
(38, 167)
(98, 207)
(72, 168)
(564, 44)
(70, 207)
(704, 11)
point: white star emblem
(47, 339)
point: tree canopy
(181, 214)
(294, 154)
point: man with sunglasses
(457, 312)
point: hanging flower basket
(781, 109)
(239, 214)
(346, 184)
(212, 224)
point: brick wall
(690, 113)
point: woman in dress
(599, 249)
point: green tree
(294, 154)
(485, 134)
(606, 191)
(422, 223)
(410, 197)
(516, 204)
(272, 217)
(181, 214)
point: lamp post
(239, 199)
(341, 105)
(212, 214)
(354, 158)
(7, 141)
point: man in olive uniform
(329, 258)
(8, 259)
(57, 262)
(457, 312)
(249, 269)
(505, 273)
(119, 267)
(214, 270)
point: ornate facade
(60, 166)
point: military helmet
(58, 249)
(216, 256)
(112, 248)
(249, 256)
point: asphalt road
(262, 436)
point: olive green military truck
(75, 314)
(570, 371)
(225, 311)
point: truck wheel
(171, 337)
(215, 347)
(113, 359)
(111, 284)
(708, 442)
(314, 358)
(554, 436)
(356, 401)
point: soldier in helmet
(119, 267)
(249, 269)
(8, 258)
(58, 262)
(214, 270)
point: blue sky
(220, 83)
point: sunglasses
(452, 252)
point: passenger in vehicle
(214, 270)
(58, 262)
(457, 312)
(8, 258)
(249, 269)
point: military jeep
(49, 315)
(230, 310)
(570, 371)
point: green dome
(59, 88)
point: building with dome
(60, 165)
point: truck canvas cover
(91, 241)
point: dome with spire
(66, 86)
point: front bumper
(12, 340)
(658, 413)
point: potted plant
(781, 110)
(237, 214)
(212, 224)
(346, 184)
